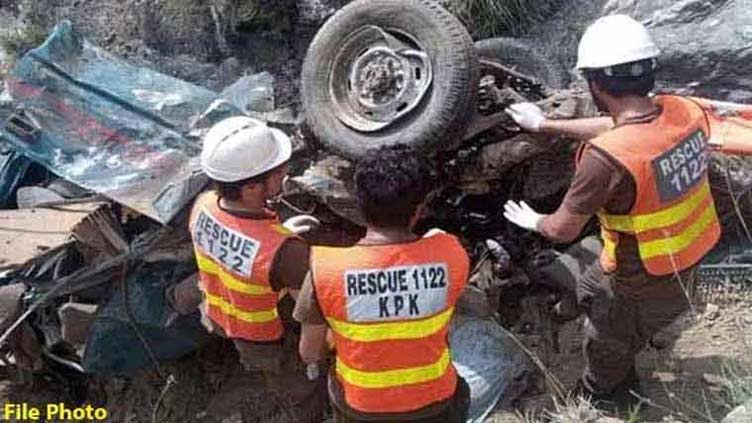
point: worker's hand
(527, 115)
(522, 215)
(301, 224)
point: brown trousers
(455, 412)
(284, 372)
(622, 312)
(304, 400)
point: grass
(491, 18)
(16, 42)
(689, 398)
(738, 384)
(572, 410)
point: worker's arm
(731, 135)
(596, 182)
(290, 266)
(185, 296)
(313, 344)
(532, 119)
(578, 129)
(563, 226)
(730, 125)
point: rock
(665, 377)
(712, 312)
(317, 11)
(713, 380)
(252, 93)
(10, 304)
(706, 45)
(474, 302)
(188, 68)
(227, 72)
(235, 418)
(284, 117)
(742, 414)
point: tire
(523, 57)
(438, 122)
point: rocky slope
(707, 44)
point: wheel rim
(377, 78)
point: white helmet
(615, 40)
(240, 147)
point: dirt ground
(691, 382)
(686, 384)
(208, 386)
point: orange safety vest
(389, 308)
(234, 257)
(673, 218)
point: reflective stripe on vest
(234, 257)
(673, 218)
(392, 330)
(398, 377)
(226, 308)
(389, 308)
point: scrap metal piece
(75, 319)
(101, 232)
(325, 180)
(24, 234)
(30, 197)
(530, 87)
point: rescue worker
(247, 260)
(388, 302)
(643, 173)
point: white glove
(301, 224)
(527, 115)
(522, 215)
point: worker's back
(389, 308)
(673, 217)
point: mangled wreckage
(100, 163)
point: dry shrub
(490, 18)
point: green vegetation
(738, 383)
(490, 18)
(251, 14)
(19, 41)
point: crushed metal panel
(24, 234)
(126, 132)
(100, 233)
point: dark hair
(231, 190)
(391, 184)
(635, 78)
